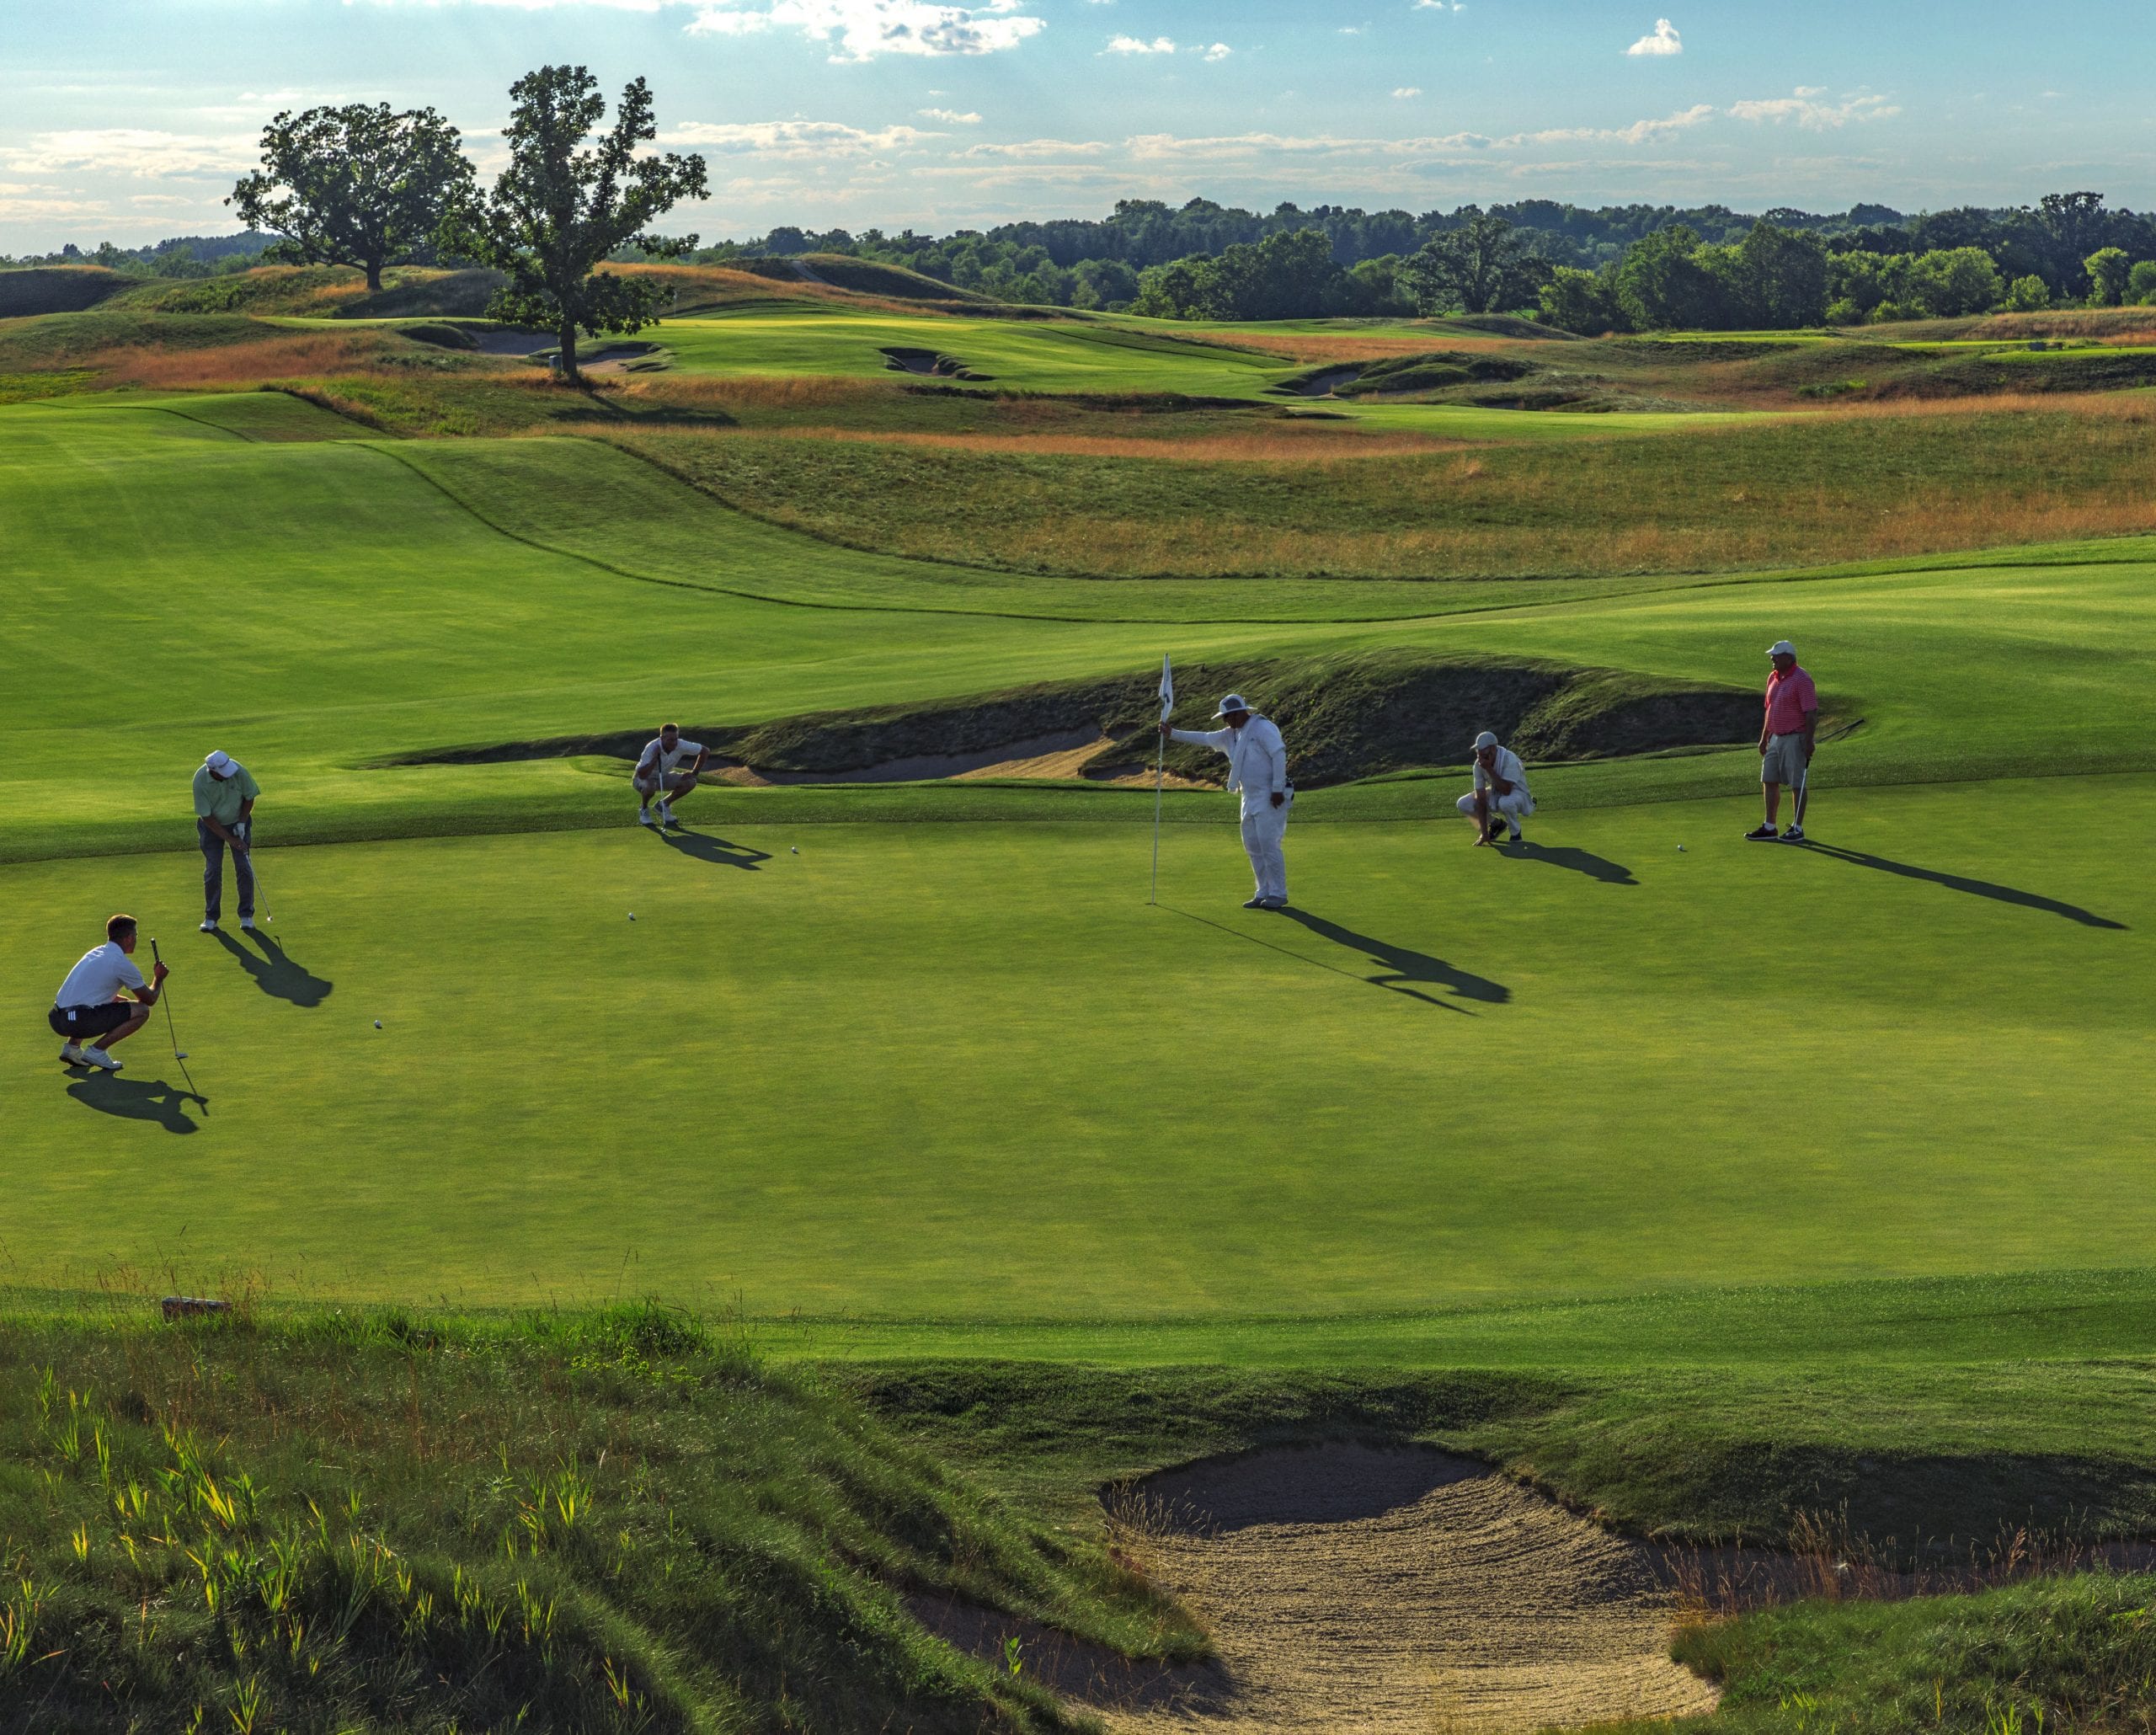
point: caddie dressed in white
(1500, 797)
(1257, 767)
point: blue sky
(130, 118)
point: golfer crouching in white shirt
(1257, 767)
(1500, 797)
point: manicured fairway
(964, 1072)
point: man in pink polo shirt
(1786, 740)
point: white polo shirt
(98, 979)
(657, 760)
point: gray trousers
(213, 871)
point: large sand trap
(1355, 1589)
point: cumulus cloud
(1020, 149)
(861, 30)
(1218, 51)
(1663, 40)
(950, 117)
(134, 151)
(795, 140)
(1808, 111)
(1640, 132)
(1406, 91)
(1138, 44)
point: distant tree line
(177, 256)
(1619, 268)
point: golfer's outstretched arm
(1218, 739)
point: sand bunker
(1355, 1589)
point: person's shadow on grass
(699, 846)
(1403, 971)
(1962, 883)
(138, 1099)
(273, 972)
(1579, 860)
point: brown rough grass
(1347, 347)
(237, 366)
(1282, 443)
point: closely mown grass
(603, 1522)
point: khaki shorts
(1783, 762)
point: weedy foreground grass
(608, 1522)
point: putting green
(965, 1072)
(932, 1071)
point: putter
(178, 1053)
(1803, 784)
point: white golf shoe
(71, 1054)
(644, 818)
(207, 927)
(98, 1057)
(247, 924)
(666, 815)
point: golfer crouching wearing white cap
(1500, 797)
(1257, 767)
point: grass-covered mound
(1346, 718)
(608, 1522)
(2072, 1655)
(56, 289)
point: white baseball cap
(1234, 702)
(1782, 648)
(1485, 739)
(220, 764)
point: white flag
(1168, 689)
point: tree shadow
(1402, 968)
(1975, 888)
(138, 1099)
(273, 972)
(699, 846)
(1594, 867)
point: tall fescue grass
(1868, 482)
(612, 1521)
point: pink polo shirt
(1791, 699)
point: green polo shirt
(221, 800)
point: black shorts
(79, 1023)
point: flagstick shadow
(1406, 966)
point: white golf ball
(1680, 849)
(377, 1023)
(632, 916)
(794, 849)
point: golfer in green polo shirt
(225, 791)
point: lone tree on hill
(559, 211)
(353, 185)
(1485, 266)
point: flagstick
(1160, 772)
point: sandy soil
(1049, 757)
(1351, 1589)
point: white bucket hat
(1234, 702)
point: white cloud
(1809, 113)
(1408, 91)
(950, 117)
(861, 30)
(1663, 40)
(1138, 45)
(1640, 132)
(726, 22)
(135, 151)
(1218, 51)
(1439, 6)
(795, 140)
(1022, 148)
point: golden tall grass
(1281, 443)
(239, 366)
